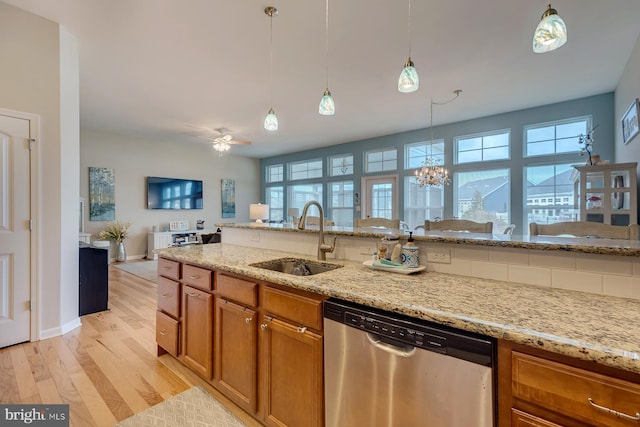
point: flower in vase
(116, 231)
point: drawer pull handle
(163, 333)
(166, 268)
(302, 329)
(264, 326)
(166, 295)
(614, 412)
(192, 294)
(248, 320)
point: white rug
(192, 408)
(148, 270)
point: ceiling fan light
(271, 120)
(408, 81)
(327, 107)
(551, 32)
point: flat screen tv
(173, 193)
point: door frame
(364, 185)
(34, 177)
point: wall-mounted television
(173, 193)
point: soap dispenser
(410, 253)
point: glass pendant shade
(408, 80)
(271, 121)
(327, 107)
(551, 32)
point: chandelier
(221, 146)
(432, 173)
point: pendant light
(551, 32)
(271, 120)
(327, 106)
(432, 173)
(408, 80)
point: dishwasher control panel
(400, 329)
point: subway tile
(621, 286)
(530, 275)
(489, 270)
(605, 264)
(471, 253)
(576, 281)
(552, 259)
(509, 256)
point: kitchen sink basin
(296, 266)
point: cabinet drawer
(522, 419)
(167, 333)
(574, 392)
(197, 277)
(296, 308)
(169, 296)
(239, 290)
(168, 268)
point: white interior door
(15, 234)
(380, 197)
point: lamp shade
(294, 212)
(551, 32)
(408, 80)
(258, 211)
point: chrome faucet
(323, 248)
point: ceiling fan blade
(233, 141)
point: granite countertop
(600, 246)
(582, 325)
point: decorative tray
(369, 264)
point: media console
(166, 239)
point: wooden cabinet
(607, 193)
(236, 361)
(168, 323)
(197, 331)
(537, 388)
(291, 358)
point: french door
(380, 197)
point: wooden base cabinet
(538, 388)
(197, 332)
(236, 346)
(292, 374)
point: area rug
(148, 270)
(192, 408)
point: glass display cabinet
(607, 193)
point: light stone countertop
(585, 326)
(618, 247)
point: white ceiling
(165, 68)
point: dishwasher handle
(397, 350)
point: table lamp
(293, 213)
(258, 212)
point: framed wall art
(102, 194)
(630, 122)
(228, 198)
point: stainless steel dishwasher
(384, 369)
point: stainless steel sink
(296, 266)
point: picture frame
(629, 122)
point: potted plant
(117, 231)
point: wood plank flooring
(107, 369)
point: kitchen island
(593, 334)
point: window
(549, 183)
(275, 173)
(421, 203)
(555, 137)
(415, 154)
(276, 203)
(382, 160)
(483, 147)
(341, 203)
(299, 195)
(382, 200)
(305, 169)
(341, 165)
(483, 196)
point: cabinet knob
(263, 326)
(162, 332)
(302, 329)
(247, 320)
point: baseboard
(60, 330)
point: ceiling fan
(223, 141)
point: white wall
(31, 81)
(135, 158)
(628, 89)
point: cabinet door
(291, 374)
(197, 311)
(236, 353)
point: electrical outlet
(255, 236)
(369, 250)
(442, 256)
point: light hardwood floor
(107, 369)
